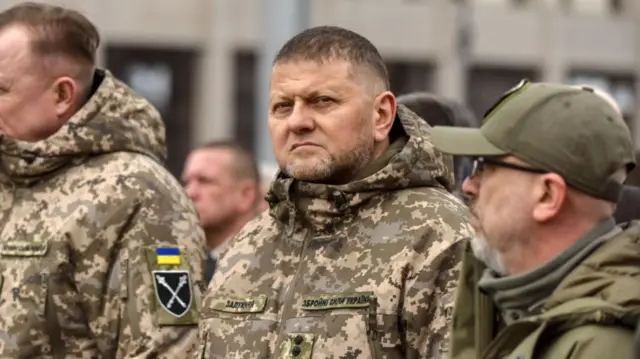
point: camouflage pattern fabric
(362, 270)
(82, 215)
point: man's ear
(384, 115)
(65, 93)
(249, 193)
(550, 195)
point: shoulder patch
(173, 295)
(173, 291)
(337, 301)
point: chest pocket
(23, 299)
(341, 326)
(237, 327)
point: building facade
(197, 59)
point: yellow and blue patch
(168, 256)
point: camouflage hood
(417, 164)
(113, 120)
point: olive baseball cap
(564, 129)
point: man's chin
(489, 256)
(309, 171)
(479, 247)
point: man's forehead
(15, 41)
(211, 155)
(304, 65)
(207, 162)
(311, 75)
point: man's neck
(381, 148)
(544, 244)
(524, 292)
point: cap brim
(462, 141)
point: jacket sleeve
(145, 279)
(430, 292)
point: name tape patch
(18, 248)
(337, 301)
(240, 305)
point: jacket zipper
(292, 287)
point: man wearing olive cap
(561, 279)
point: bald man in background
(223, 181)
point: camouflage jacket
(362, 270)
(82, 214)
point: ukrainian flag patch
(168, 256)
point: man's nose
(191, 190)
(470, 186)
(300, 119)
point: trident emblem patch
(173, 290)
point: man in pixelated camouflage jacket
(101, 252)
(358, 255)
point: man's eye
(280, 106)
(324, 100)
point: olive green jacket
(592, 313)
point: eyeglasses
(479, 162)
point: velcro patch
(173, 294)
(337, 301)
(240, 305)
(298, 346)
(173, 291)
(20, 248)
(168, 256)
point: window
(486, 85)
(621, 87)
(407, 76)
(596, 7)
(244, 97)
(164, 76)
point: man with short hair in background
(358, 254)
(222, 180)
(101, 252)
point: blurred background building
(199, 61)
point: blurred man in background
(440, 111)
(223, 181)
(100, 247)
